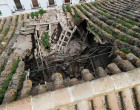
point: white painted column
(43, 3)
(27, 4)
(11, 4)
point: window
(35, 4)
(67, 1)
(18, 4)
(82, 0)
(51, 2)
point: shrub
(36, 14)
(45, 40)
(41, 12)
(68, 8)
(32, 15)
(63, 7)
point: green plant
(4, 88)
(132, 22)
(126, 25)
(20, 84)
(104, 14)
(36, 14)
(15, 65)
(97, 33)
(121, 38)
(6, 84)
(124, 39)
(41, 12)
(106, 29)
(77, 16)
(63, 7)
(11, 19)
(32, 15)
(126, 50)
(99, 4)
(79, 7)
(68, 8)
(28, 16)
(85, 7)
(135, 44)
(95, 4)
(6, 31)
(45, 40)
(84, 12)
(23, 24)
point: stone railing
(74, 94)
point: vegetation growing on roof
(37, 13)
(6, 31)
(6, 83)
(126, 50)
(45, 40)
(32, 15)
(96, 32)
(63, 8)
(22, 78)
(68, 8)
(77, 16)
(41, 12)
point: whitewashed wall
(27, 4)
(43, 3)
(11, 4)
(7, 10)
